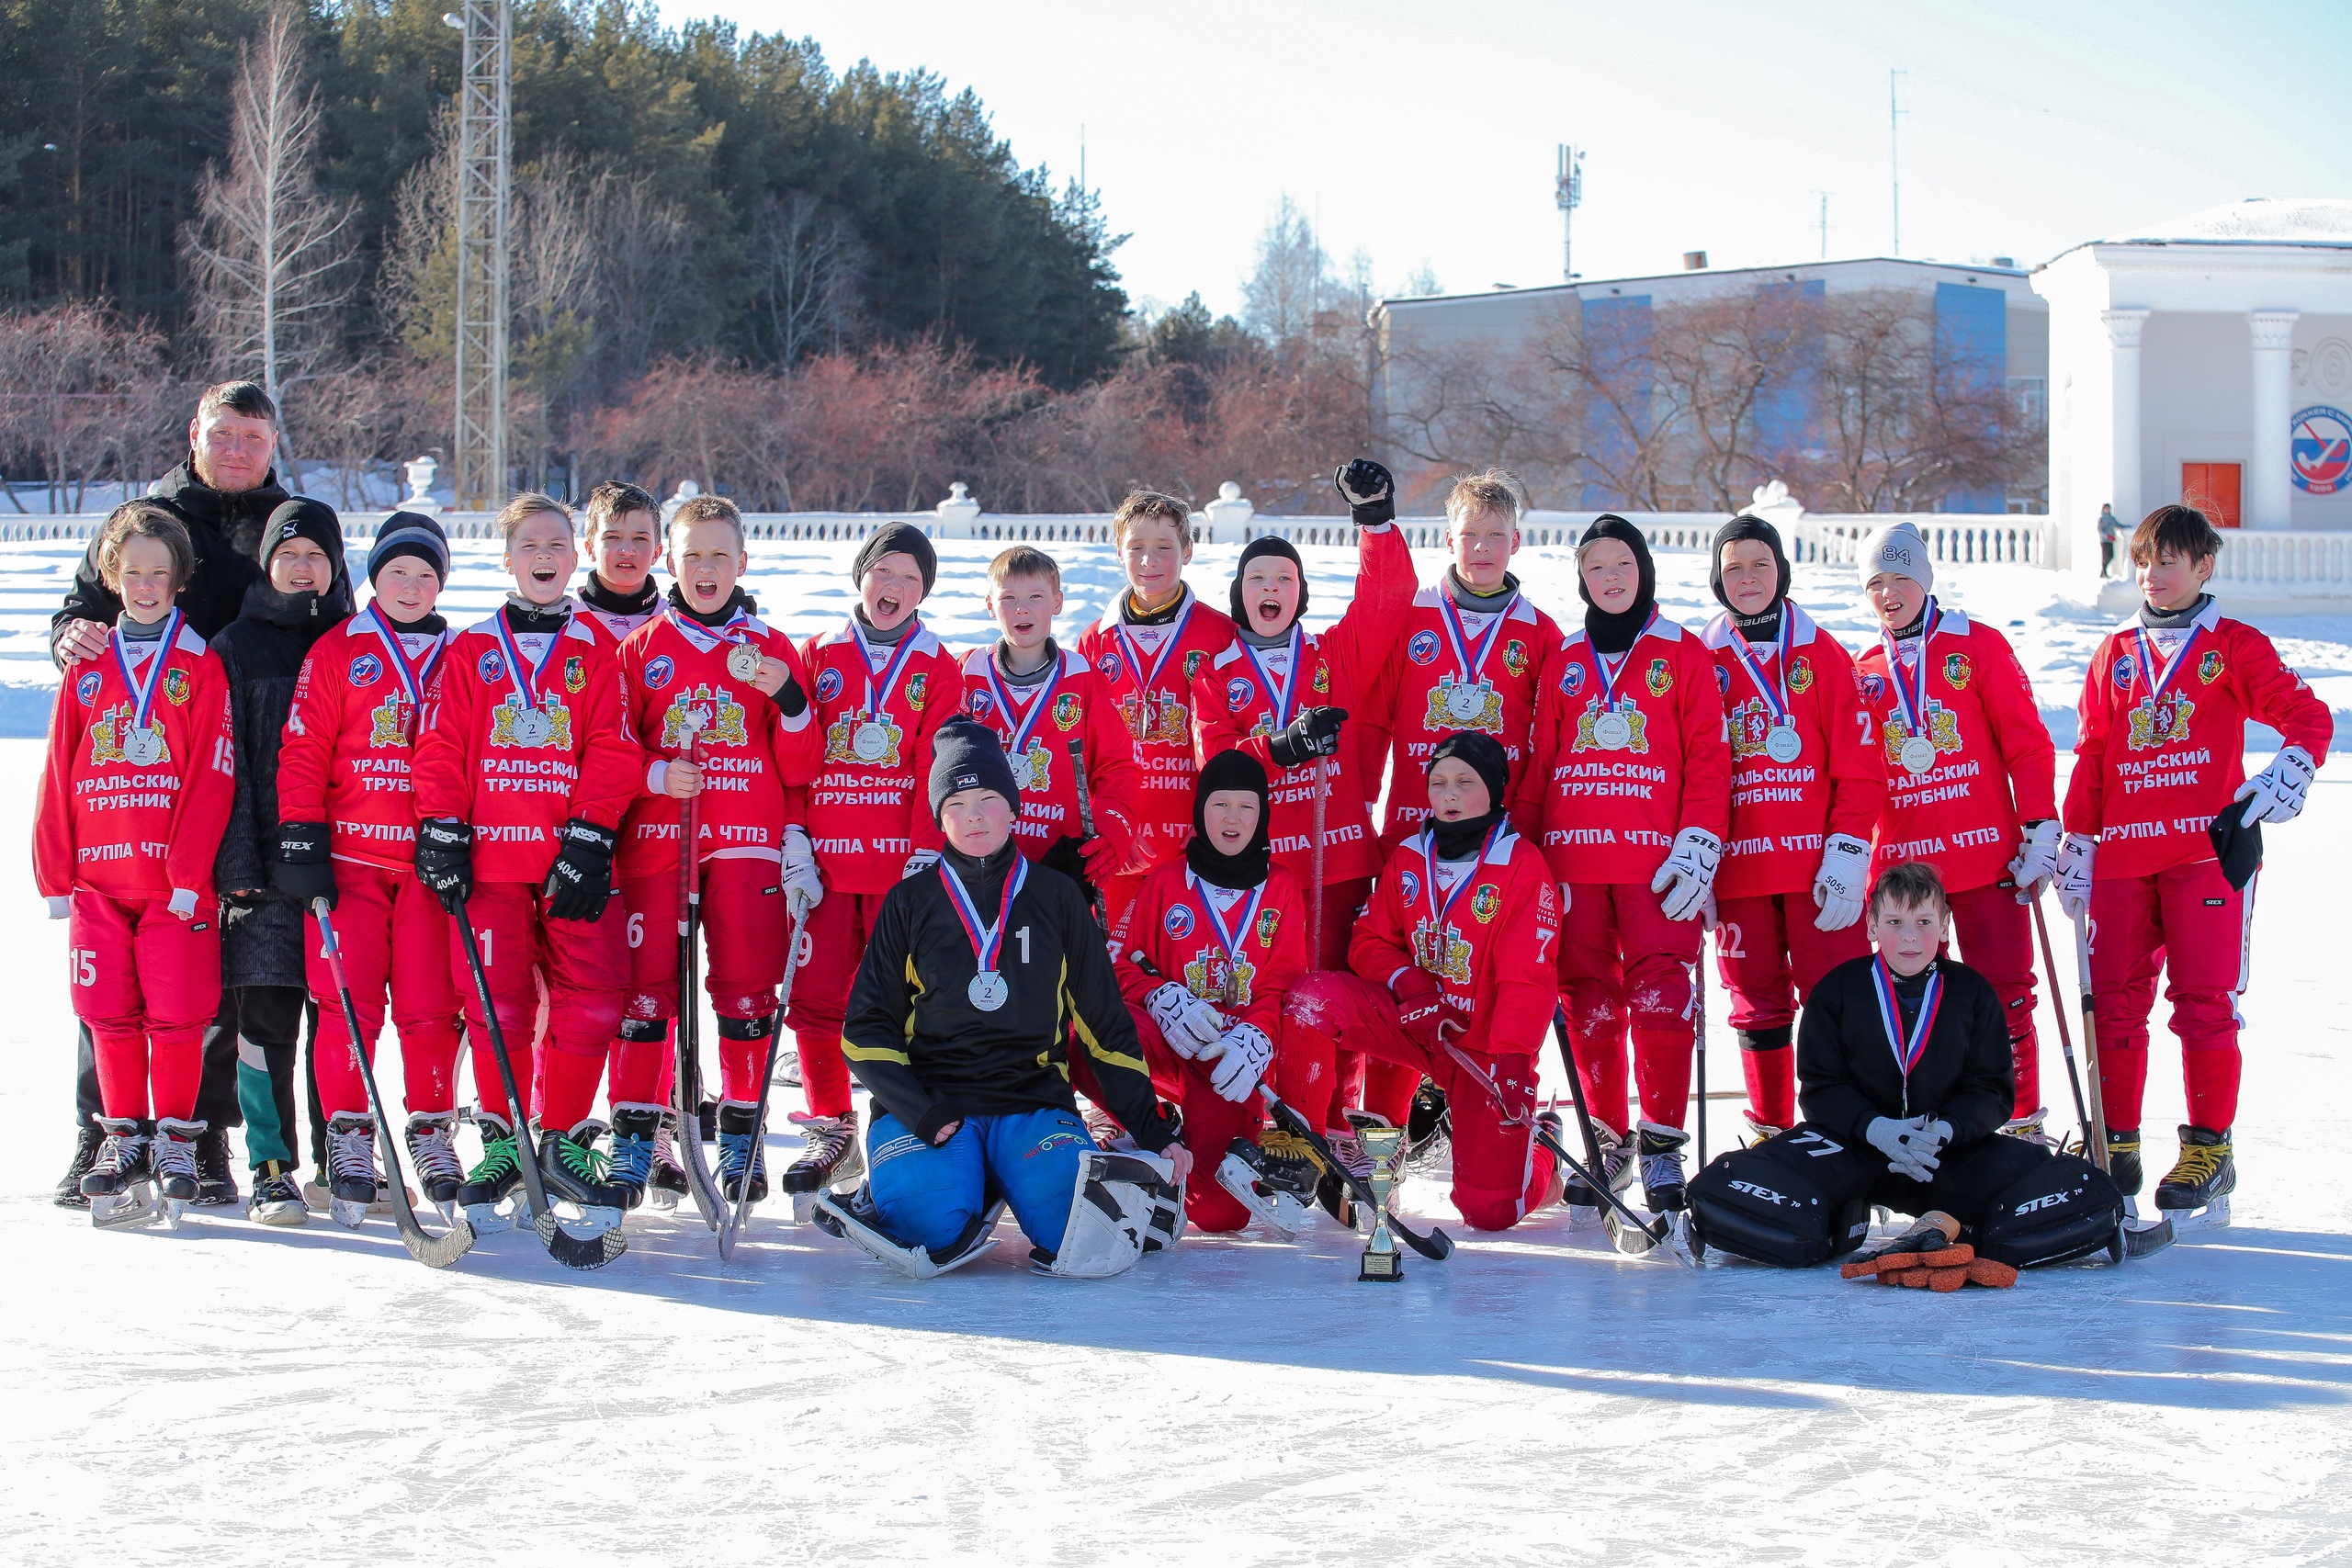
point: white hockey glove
(2037, 857)
(2073, 875)
(1908, 1147)
(2277, 791)
(919, 863)
(1241, 1056)
(1189, 1024)
(1688, 874)
(803, 888)
(1842, 882)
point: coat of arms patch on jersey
(1801, 677)
(2209, 669)
(1943, 729)
(114, 738)
(2155, 723)
(511, 724)
(722, 717)
(1485, 902)
(1066, 711)
(1033, 770)
(1661, 678)
(387, 722)
(1957, 672)
(1442, 953)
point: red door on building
(2212, 488)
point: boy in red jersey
(524, 767)
(883, 685)
(1971, 779)
(138, 790)
(347, 833)
(1628, 792)
(2158, 760)
(1039, 699)
(1453, 975)
(623, 537)
(1474, 648)
(705, 668)
(1148, 647)
(1223, 930)
(1807, 789)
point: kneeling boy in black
(1904, 1075)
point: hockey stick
(1614, 1215)
(733, 1226)
(1315, 875)
(432, 1251)
(2135, 1241)
(1434, 1246)
(572, 1251)
(1086, 826)
(686, 1079)
(2066, 1035)
(1699, 1035)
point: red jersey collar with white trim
(1498, 854)
(574, 628)
(1720, 632)
(1660, 629)
(925, 644)
(977, 662)
(1111, 615)
(2206, 620)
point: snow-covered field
(234, 1394)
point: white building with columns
(2207, 359)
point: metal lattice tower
(1569, 192)
(485, 166)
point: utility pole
(485, 173)
(1894, 150)
(1569, 192)
(1825, 223)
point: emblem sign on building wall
(2322, 450)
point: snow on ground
(235, 1393)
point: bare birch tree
(809, 269)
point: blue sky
(1426, 132)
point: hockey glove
(2276, 794)
(1241, 1057)
(1843, 882)
(581, 878)
(1688, 874)
(444, 860)
(298, 867)
(803, 888)
(183, 903)
(1420, 1012)
(1113, 841)
(1315, 733)
(1370, 491)
(2073, 876)
(2037, 857)
(1909, 1149)
(1189, 1024)
(919, 863)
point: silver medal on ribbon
(871, 741)
(1784, 744)
(1919, 755)
(1612, 731)
(988, 990)
(744, 661)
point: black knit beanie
(302, 518)
(897, 539)
(1267, 545)
(410, 534)
(966, 754)
(1614, 633)
(1230, 770)
(1746, 527)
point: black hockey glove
(1315, 733)
(1370, 491)
(298, 866)
(790, 700)
(581, 878)
(444, 860)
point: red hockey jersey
(1606, 797)
(877, 710)
(1037, 724)
(350, 738)
(1245, 979)
(2161, 753)
(1459, 671)
(518, 750)
(1990, 765)
(1147, 673)
(1243, 697)
(1784, 802)
(753, 758)
(1489, 941)
(128, 808)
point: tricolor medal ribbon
(1438, 909)
(1908, 1048)
(532, 727)
(1280, 697)
(143, 748)
(1611, 731)
(1018, 731)
(2157, 682)
(871, 737)
(412, 680)
(1782, 743)
(1231, 941)
(987, 989)
(1918, 751)
(1465, 699)
(1147, 674)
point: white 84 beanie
(1898, 548)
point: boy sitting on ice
(1905, 1079)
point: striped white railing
(2296, 562)
(1953, 538)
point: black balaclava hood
(1746, 526)
(1267, 545)
(1615, 633)
(899, 539)
(1486, 756)
(1231, 770)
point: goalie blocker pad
(1775, 1203)
(1121, 1206)
(853, 1220)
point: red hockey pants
(1771, 955)
(395, 940)
(745, 924)
(2190, 923)
(580, 963)
(1623, 965)
(146, 983)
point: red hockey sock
(429, 1067)
(568, 1088)
(740, 1063)
(2211, 1074)
(2025, 1056)
(637, 1070)
(489, 1087)
(175, 1065)
(2123, 1083)
(1663, 1058)
(122, 1073)
(1772, 1085)
(1600, 1063)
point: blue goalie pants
(926, 1196)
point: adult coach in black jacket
(1904, 1074)
(981, 974)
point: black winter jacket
(930, 1057)
(262, 652)
(1848, 1075)
(225, 529)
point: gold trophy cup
(1382, 1261)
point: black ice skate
(832, 1160)
(1286, 1160)
(178, 1183)
(432, 1143)
(351, 1167)
(1616, 1169)
(2124, 1167)
(120, 1184)
(1247, 1174)
(574, 1172)
(636, 1132)
(496, 1178)
(739, 1159)
(2196, 1192)
(1662, 1186)
(667, 1183)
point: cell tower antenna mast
(1895, 113)
(1569, 190)
(485, 177)
(1825, 223)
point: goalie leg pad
(1121, 1206)
(853, 1220)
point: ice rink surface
(236, 1394)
